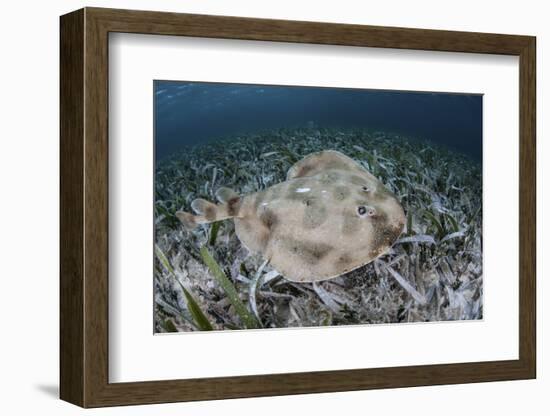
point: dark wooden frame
(84, 208)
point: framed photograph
(255, 207)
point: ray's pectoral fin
(208, 212)
(321, 161)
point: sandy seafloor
(432, 273)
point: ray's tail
(207, 212)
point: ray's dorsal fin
(321, 161)
(225, 195)
(207, 212)
(188, 220)
(205, 208)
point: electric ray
(329, 217)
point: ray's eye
(364, 211)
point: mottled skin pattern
(329, 217)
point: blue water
(190, 113)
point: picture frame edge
(84, 214)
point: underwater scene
(291, 206)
